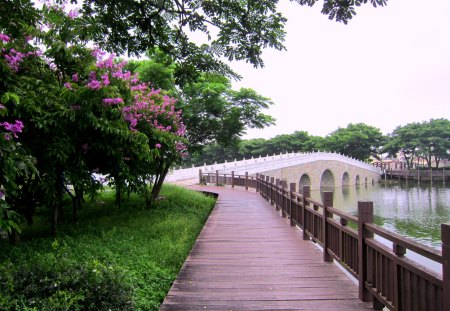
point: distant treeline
(428, 140)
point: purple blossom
(94, 85)
(105, 80)
(2, 195)
(111, 101)
(4, 38)
(13, 128)
(97, 53)
(2, 107)
(68, 86)
(73, 14)
(13, 59)
(75, 77)
(158, 146)
(92, 75)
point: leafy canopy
(236, 30)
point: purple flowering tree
(80, 113)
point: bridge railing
(261, 164)
(419, 174)
(385, 274)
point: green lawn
(115, 259)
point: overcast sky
(389, 66)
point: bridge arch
(345, 179)
(305, 180)
(327, 179)
(357, 180)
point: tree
(403, 140)
(158, 70)
(440, 142)
(237, 30)
(68, 112)
(426, 140)
(359, 141)
(213, 112)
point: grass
(132, 250)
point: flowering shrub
(80, 113)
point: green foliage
(359, 141)
(299, 141)
(73, 106)
(54, 281)
(118, 259)
(159, 70)
(236, 30)
(426, 140)
(213, 112)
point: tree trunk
(59, 184)
(158, 183)
(437, 160)
(14, 237)
(118, 195)
(76, 203)
(53, 229)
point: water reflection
(410, 209)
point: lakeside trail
(247, 257)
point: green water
(410, 209)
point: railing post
(306, 194)
(277, 197)
(445, 236)
(257, 182)
(272, 179)
(365, 215)
(400, 251)
(246, 180)
(262, 179)
(217, 177)
(284, 189)
(291, 203)
(232, 179)
(200, 176)
(327, 202)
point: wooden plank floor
(248, 258)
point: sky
(387, 67)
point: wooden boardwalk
(248, 258)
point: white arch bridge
(317, 169)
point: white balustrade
(267, 163)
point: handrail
(385, 276)
(408, 243)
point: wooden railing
(385, 275)
(228, 179)
(419, 174)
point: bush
(55, 282)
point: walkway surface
(248, 258)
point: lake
(410, 209)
